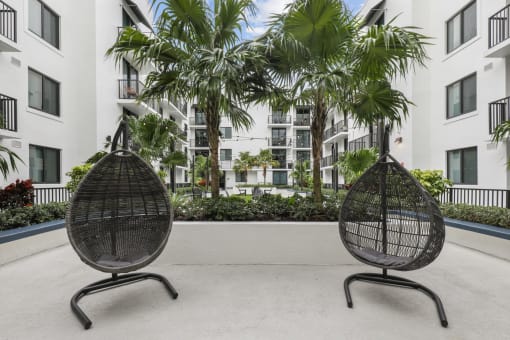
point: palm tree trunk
(318, 126)
(264, 173)
(213, 134)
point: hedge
(495, 216)
(23, 216)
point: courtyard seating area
(255, 280)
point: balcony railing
(499, 27)
(330, 160)
(180, 105)
(302, 143)
(182, 134)
(8, 22)
(199, 143)
(280, 142)
(301, 121)
(8, 113)
(197, 120)
(498, 113)
(273, 119)
(130, 89)
(363, 142)
(49, 195)
(336, 129)
(480, 197)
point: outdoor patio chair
(119, 221)
(388, 220)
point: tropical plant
(17, 194)
(352, 164)
(265, 160)
(433, 181)
(301, 173)
(76, 174)
(199, 56)
(501, 133)
(244, 163)
(321, 57)
(202, 169)
(8, 164)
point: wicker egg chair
(119, 221)
(388, 220)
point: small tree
(265, 160)
(352, 164)
(301, 173)
(433, 181)
(244, 163)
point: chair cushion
(113, 261)
(379, 258)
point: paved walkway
(241, 301)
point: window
(461, 96)
(279, 117)
(242, 176)
(462, 166)
(126, 19)
(302, 138)
(44, 164)
(43, 93)
(462, 27)
(302, 156)
(201, 138)
(279, 137)
(225, 154)
(303, 116)
(280, 177)
(199, 117)
(280, 155)
(44, 22)
(226, 132)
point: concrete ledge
(31, 230)
(485, 229)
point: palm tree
(199, 56)
(244, 163)
(352, 164)
(8, 164)
(265, 160)
(320, 55)
(301, 173)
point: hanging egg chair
(388, 220)
(119, 220)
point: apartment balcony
(226, 165)
(330, 160)
(363, 142)
(498, 113)
(183, 135)
(339, 128)
(197, 121)
(273, 120)
(129, 90)
(302, 143)
(8, 115)
(499, 34)
(180, 105)
(280, 142)
(199, 143)
(8, 28)
(300, 122)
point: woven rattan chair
(388, 220)
(119, 221)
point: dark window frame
(461, 81)
(242, 175)
(462, 150)
(280, 175)
(223, 155)
(461, 14)
(49, 9)
(42, 93)
(223, 132)
(59, 167)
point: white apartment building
(60, 97)
(459, 98)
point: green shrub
(432, 180)
(76, 174)
(486, 215)
(24, 216)
(17, 194)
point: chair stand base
(397, 282)
(114, 281)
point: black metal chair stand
(114, 281)
(388, 220)
(119, 221)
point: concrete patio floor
(255, 281)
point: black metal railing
(49, 195)
(8, 22)
(301, 121)
(498, 113)
(199, 143)
(275, 119)
(480, 197)
(363, 142)
(197, 120)
(330, 160)
(499, 27)
(280, 141)
(130, 89)
(181, 105)
(302, 143)
(339, 127)
(8, 113)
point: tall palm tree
(199, 56)
(265, 160)
(244, 163)
(319, 53)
